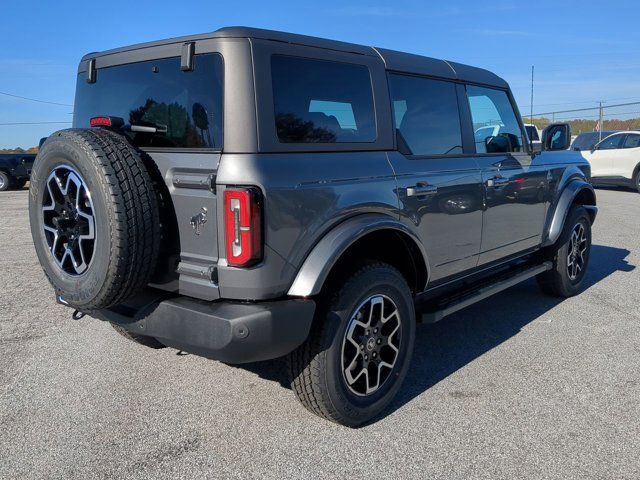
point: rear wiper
(147, 127)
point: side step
(484, 291)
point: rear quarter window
(186, 106)
(319, 101)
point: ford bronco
(249, 194)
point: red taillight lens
(243, 226)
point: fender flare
(572, 189)
(316, 267)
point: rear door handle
(421, 190)
(497, 182)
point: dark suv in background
(247, 194)
(15, 169)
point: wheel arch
(367, 236)
(577, 191)
(635, 172)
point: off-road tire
(6, 182)
(141, 339)
(557, 281)
(315, 367)
(125, 210)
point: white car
(616, 160)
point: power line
(30, 123)
(35, 100)
(585, 109)
(524, 107)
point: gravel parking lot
(518, 386)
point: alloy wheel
(371, 345)
(577, 255)
(69, 220)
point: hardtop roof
(393, 60)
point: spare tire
(94, 217)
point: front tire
(570, 257)
(637, 181)
(359, 350)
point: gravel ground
(518, 386)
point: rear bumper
(231, 332)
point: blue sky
(582, 51)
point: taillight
(243, 226)
(108, 122)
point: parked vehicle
(249, 194)
(15, 170)
(534, 136)
(616, 160)
(588, 140)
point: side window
(632, 141)
(426, 115)
(610, 143)
(532, 132)
(318, 101)
(495, 125)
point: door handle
(497, 182)
(421, 190)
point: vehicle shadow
(443, 348)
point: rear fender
(325, 254)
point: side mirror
(556, 136)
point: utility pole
(531, 111)
(600, 122)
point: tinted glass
(586, 141)
(186, 107)
(495, 124)
(610, 143)
(533, 133)
(632, 141)
(426, 115)
(318, 101)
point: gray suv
(248, 194)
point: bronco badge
(197, 221)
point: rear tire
(141, 339)
(570, 257)
(350, 337)
(6, 182)
(637, 181)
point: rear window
(185, 107)
(317, 101)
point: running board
(484, 292)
